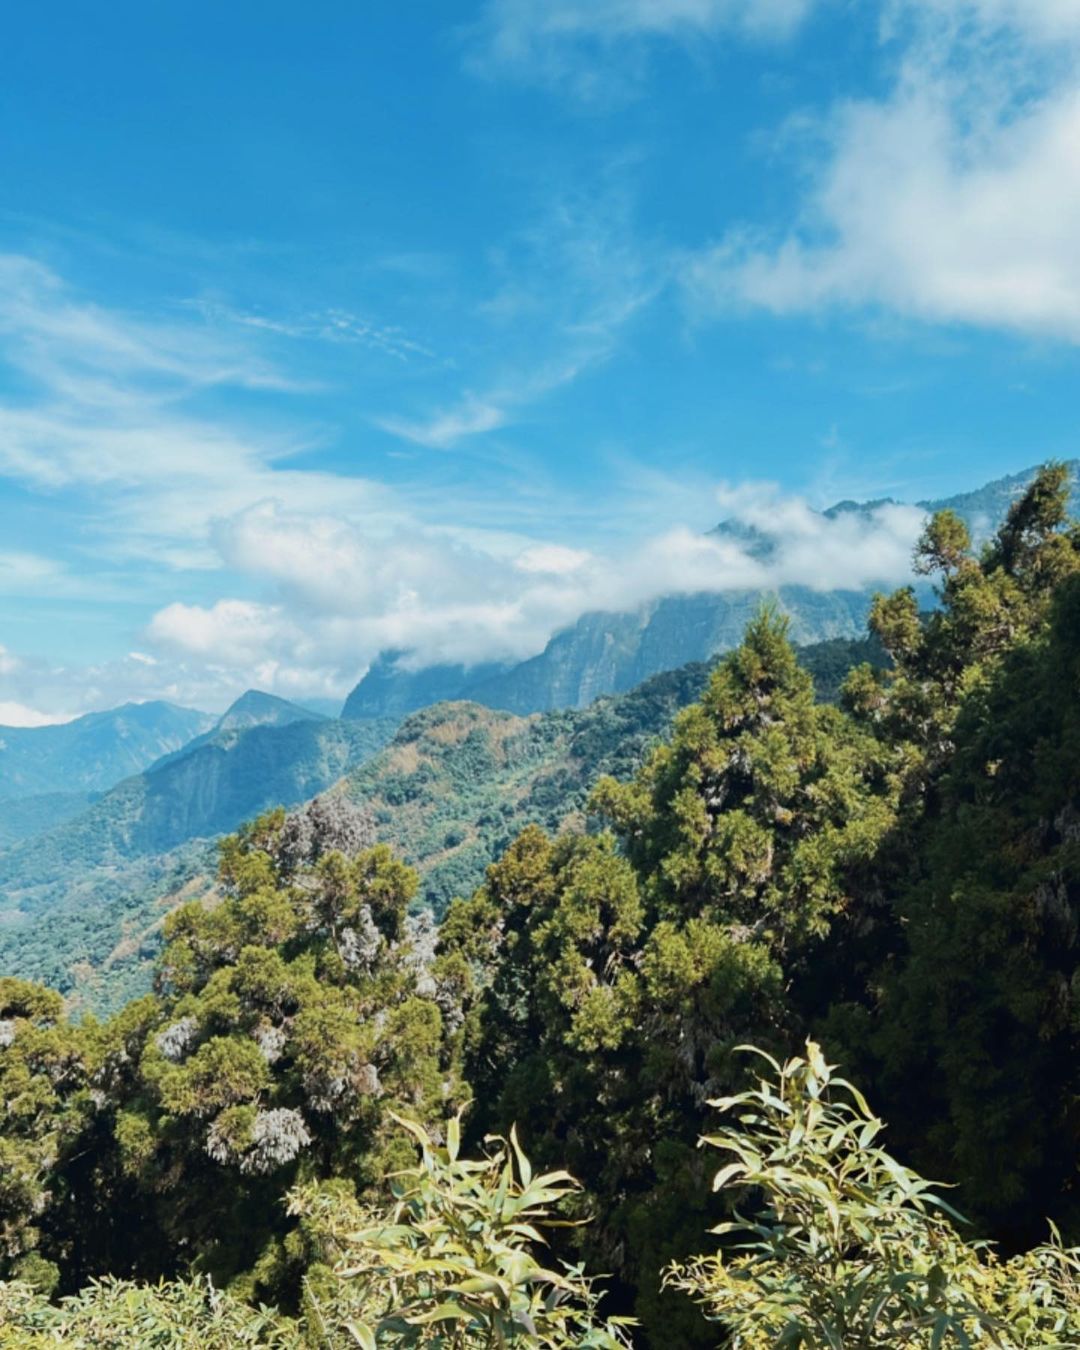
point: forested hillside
(23, 817)
(84, 903)
(336, 1123)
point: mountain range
(604, 653)
(92, 753)
(51, 774)
(222, 780)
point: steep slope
(93, 752)
(65, 895)
(611, 652)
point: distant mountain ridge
(196, 793)
(93, 752)
(258, 709)
(253, 708)
(604, 653)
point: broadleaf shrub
(847, 1249)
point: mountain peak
(257, 708)
(390, 690)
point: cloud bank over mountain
(335, 596)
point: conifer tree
(288, 1020)
(617, 972)
(967, 1029)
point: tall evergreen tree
(967, 1027)
(617, 972)
(290, 1018)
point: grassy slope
(459, 781)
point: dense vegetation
(896, 879)
(82, 906)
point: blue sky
(334, 327)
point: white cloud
(229, 633)
(472, 417)
(952, 200)
(331, 565)
(338, 596)
(19, 715)
(343, 598)
(554, 559)
(1039, 20)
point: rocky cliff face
(608, 653)
(611, 653)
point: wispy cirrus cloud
(293, 578)
(445, 428)
(596, 48)
(73, 345)
(562, 294)
(331, 325)
(111, 402)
